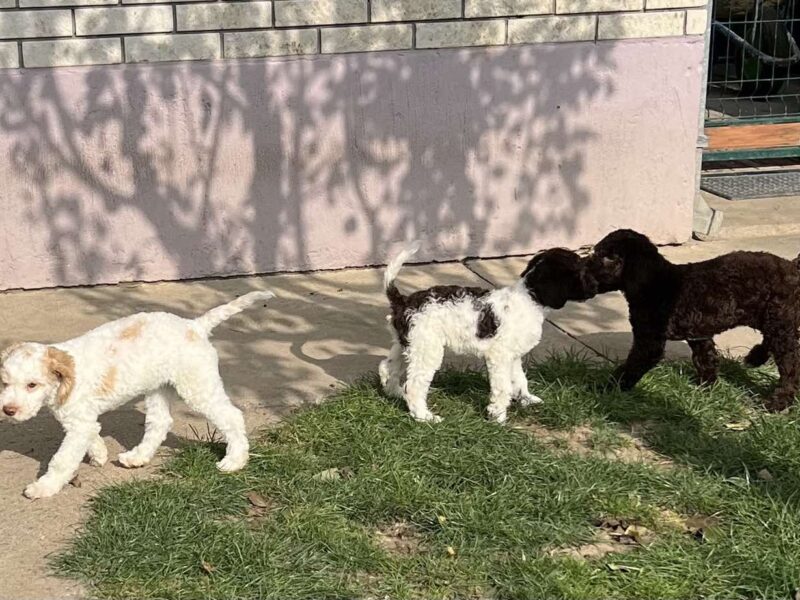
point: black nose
(10, 410)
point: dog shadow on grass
(741, 443)
(733, 438)
(40, 438)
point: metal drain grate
(746, 186)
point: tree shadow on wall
(240, 166)
(257, 166)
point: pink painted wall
(189, 169)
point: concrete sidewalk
(322, 330)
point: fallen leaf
(207, 567)
(257, 500)
(765, 475)
(328, 475)
(626, 540)
(738, 426)
(697, 526)
(611, 524)
(623, 568)
(75, 482)
(641, 535)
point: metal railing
(754, 66)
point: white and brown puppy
(152, 354)
(500, 326)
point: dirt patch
(258, 506)
(399, 538)
(583, 440)
(612, 536)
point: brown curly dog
(694, 302)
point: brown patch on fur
(132, 331)
(191, 335)
(108, 382)
(61, 366)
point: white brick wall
(291, 13)
(641, 25)
(368, 38)
(593, 6)
(154, 1)
(155, 48)
(134, 19)
(271, 43)
(57, 53)
(461, 33)
(51, 33)
(60, 3)
(415, 10)
(552, 29)
(38, 23)
(227, 15)
(696, 21)
(9, 55)
(506, 8)
(659, 4)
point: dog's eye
(32, 386)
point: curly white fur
(453, 325)
(157, 355)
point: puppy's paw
(383, 372)
(98, 457)
(132, 459)
(229, 464)
(620, 381)
(389, 383)
(778, 403)
(706, 379)
(98, 461)
(497, 413)
(427, 417)
(529, 400)
(41, 489)
(757, 356)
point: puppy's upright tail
(393, 268)
(217, 315)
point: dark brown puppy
(693, 302)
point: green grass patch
(356, 500)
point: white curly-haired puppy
(501, 326)
(155, 354)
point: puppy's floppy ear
(547, 290)
(61, 366)
(531, 264)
